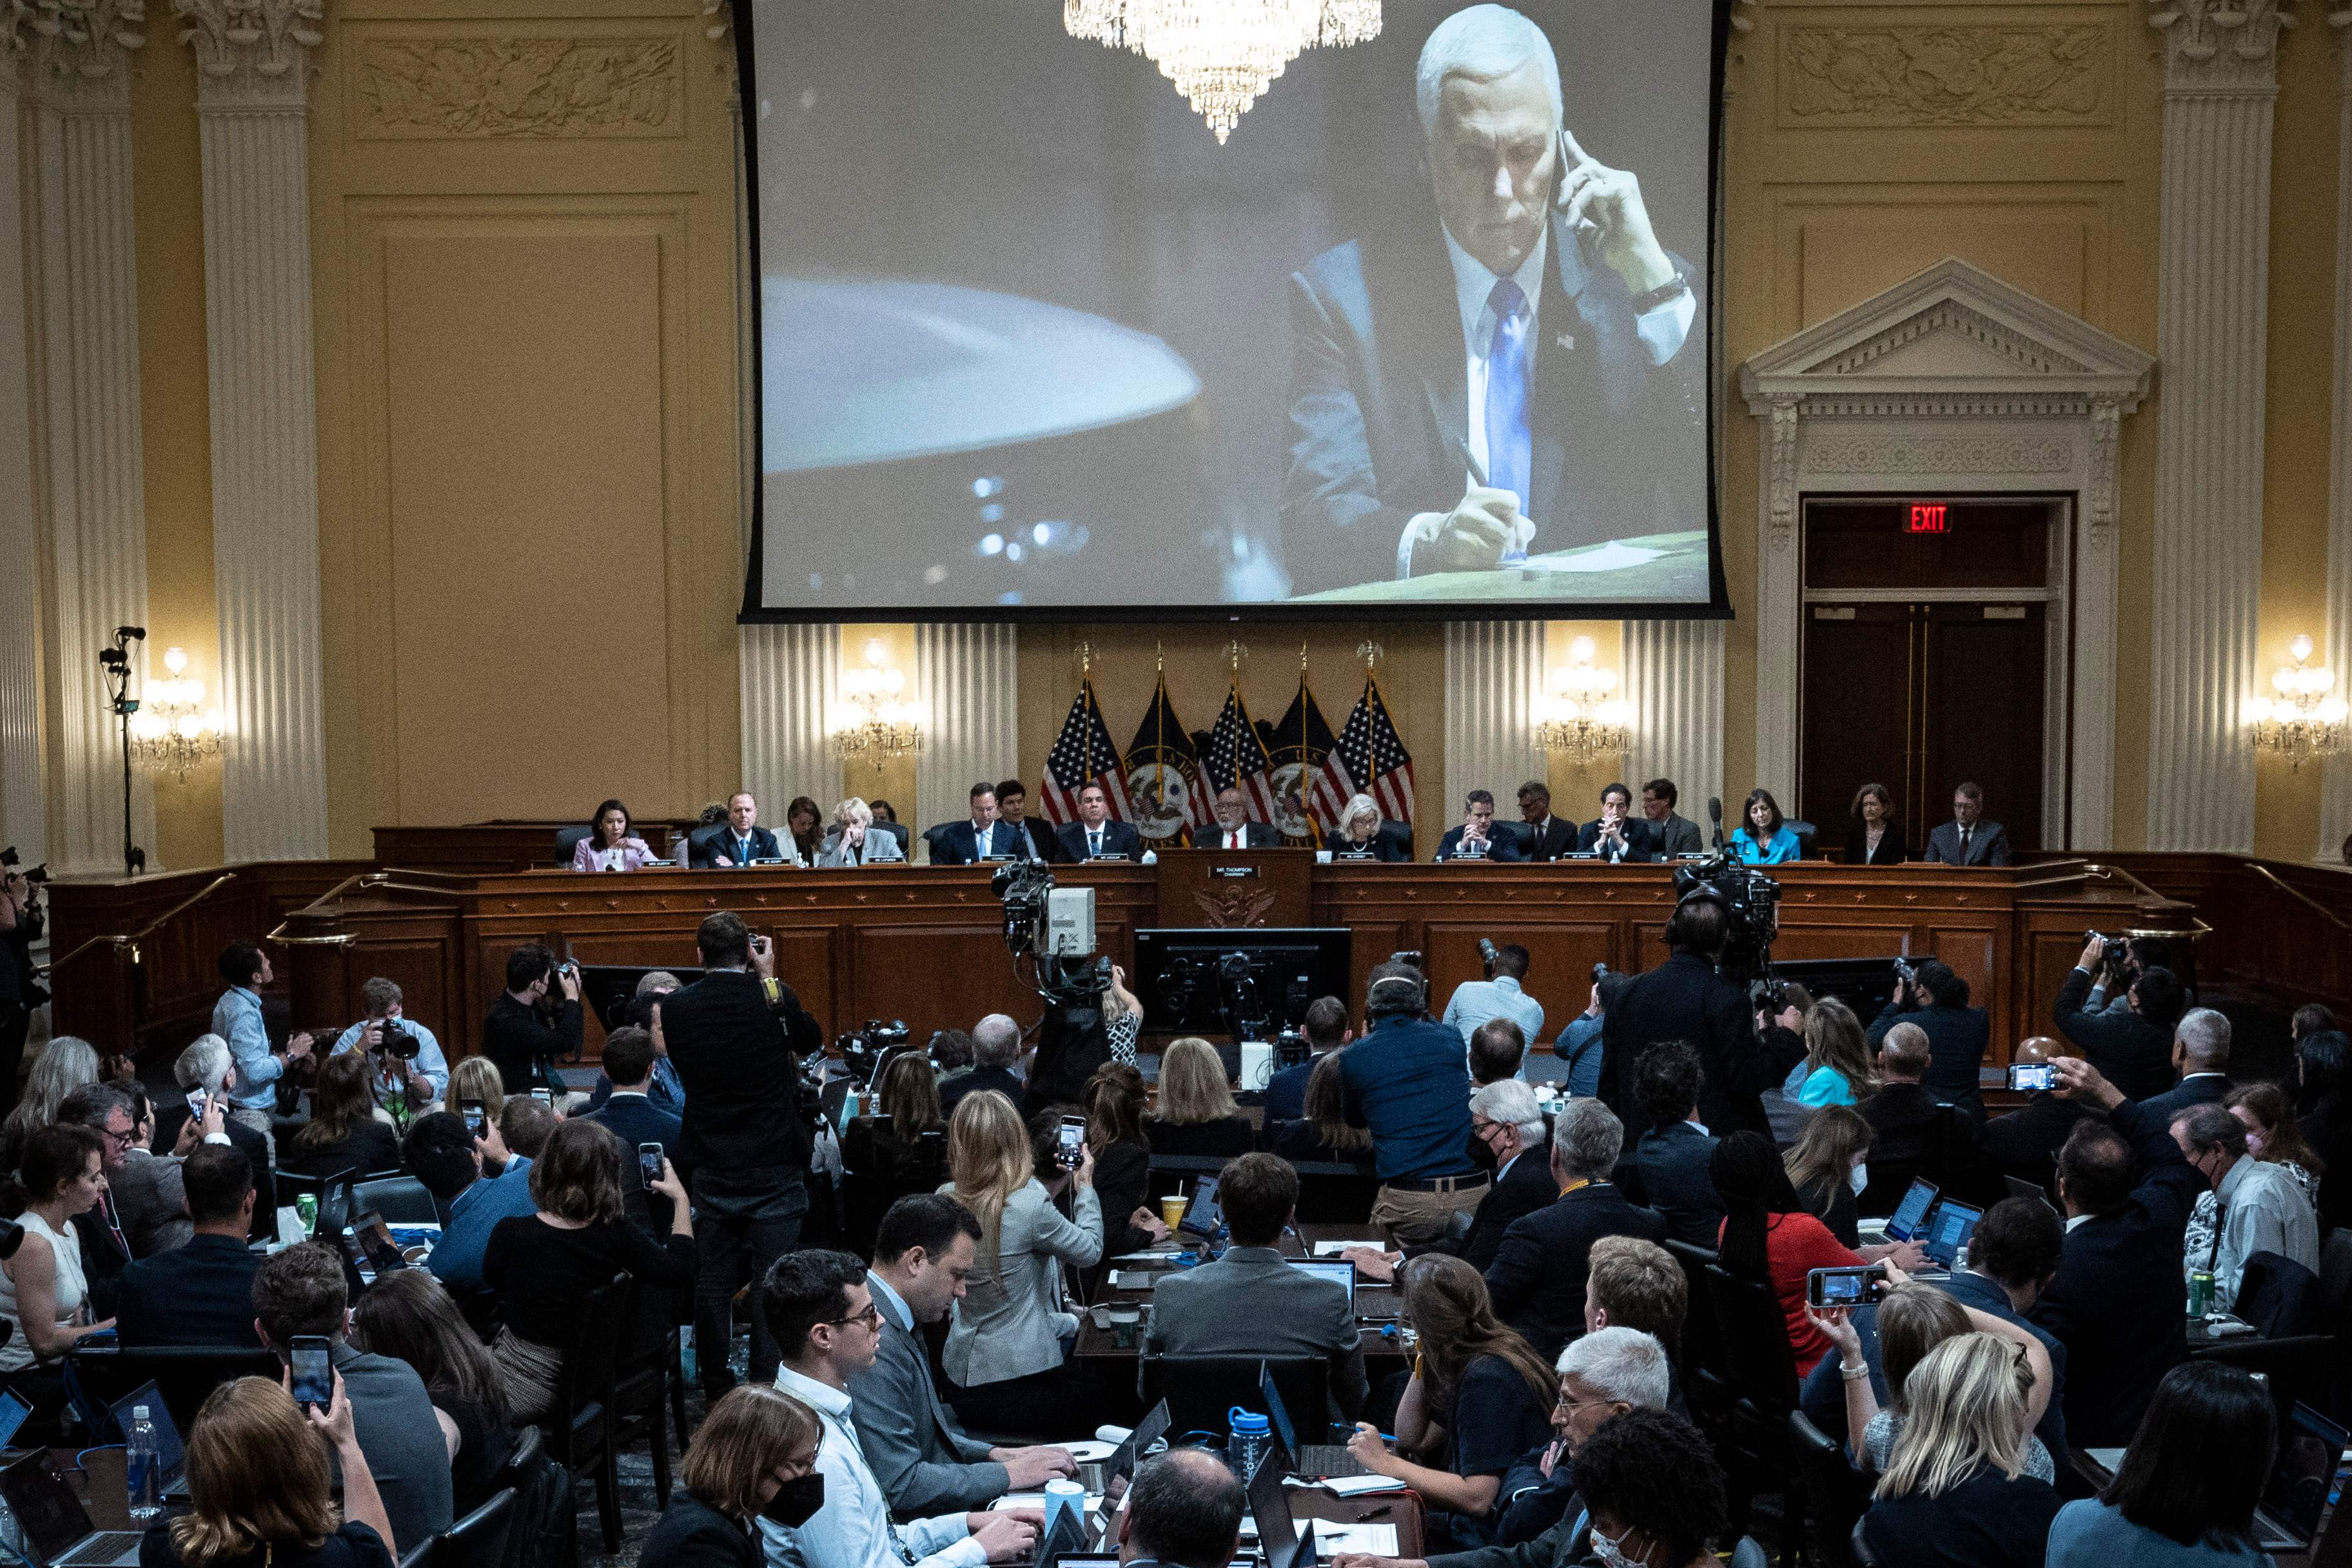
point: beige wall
(528, 409)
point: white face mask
(1858, 1178)
(1610, 1554)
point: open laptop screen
(1912, 1212)
(1269, 1501)
(1339, 1270)
(51, 1516)
(2302, 1473)
(169, 1456)
(1947, 1233)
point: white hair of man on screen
(1484, 43)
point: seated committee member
(1251, 1302)
(1502, 995)
(420, 1078)
(1537, 1279)
(743, 841)
(855, 840)
(1967, 839)
(1361, 834)
(2184, 1496)
(1875, 838)
(1474, 294)
(200, 1293)
(1407, 1082)
(917, 1448)
(517, 1040)
(1675, 834)
(1936, 998)
(823, 1318)
(1233, 828)
(1476, 839)
(1761, 840)
(1093, 836)
(610, 845)
(981, 838)
(1542, 835)
(804, 827)
(1617, 836)
(750, 1460)
(1033, 837)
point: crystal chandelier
(878, 727)
(174, 731)
(1580, 718)
(2305, 719)
(1222, 54)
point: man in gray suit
(915, 1447)
(1967, 839)
(1251, 1302)
(1675, 834)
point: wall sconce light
(1579, 718)
(173, 731)
(2307, 718)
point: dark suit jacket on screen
(1537, 1279)
(1118, 838)
(1502, 844)
(1380, 407)
(1988, 845)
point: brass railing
(2275, 881)
(144, 932)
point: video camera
(37, 875)
(1055, 928)
(865, 1049)
(1751, 906)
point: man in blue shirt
(1503, 997)
(450, 1165)
(237, 1018)
(426, 1078)
(1407, 1082)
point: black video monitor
(1228, 982)
(1864, 985)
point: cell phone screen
(196, 1099)
(476, 1117)
(1843, 1287)
(1073, 1142)
(650, 1162)
(545, 1096)
(313, 1372)
(2032, 1076)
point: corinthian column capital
(2220, 45)
(77, 52)
(250, 53)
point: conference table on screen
(1663, 568)
(925, 943)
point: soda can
(2200, 1293)
(306, 1208)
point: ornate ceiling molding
(251, 54)
(2220, 45)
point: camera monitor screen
(1212, 982)
(1427, 329)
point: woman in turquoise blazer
(1761, 840)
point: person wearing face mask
(1829, 1165)
(514, 1037)
(2260, 1207)
(753, 1459)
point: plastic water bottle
(141, 1475)
(1245, 1441)
(685, 1351)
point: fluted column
(2220, 82)
(22, 809)
(94, 513)
(965, 676)
(1493, 670)
(2336, 797)
(1673, 676)
(252, 57)
(789, 676)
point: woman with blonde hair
(260, 1490)
(1914, 1319)
(1196, 1114)
(476, 1077)
(853, 841)
(1358, 832)
(1008, 1346)
(1954, 1493)
(752, 1458)
(65, 1064)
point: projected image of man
(1512, 373)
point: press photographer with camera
(1077, 1038)
(21, 921)
(2133, 1048)
(517, 1036)
(1935, 998)
(406, 1058)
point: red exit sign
(1927, 517)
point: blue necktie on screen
(1508, 448)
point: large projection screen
(1430, 334)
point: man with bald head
(1509, 369)
(1233, 830)
(995, 1058)
(2025, 1142)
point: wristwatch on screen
(1671, 289)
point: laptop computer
(55, 1526)
(1277, 1533)
(1910, 1215)
(2019, 1187)
(1948, 1229)
(14, 1414)
(1339, 1270)
(1202, 1216)
(171, 1456)
(2304, 1480)
(1319, 1459)
(1133, 1449)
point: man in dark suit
(1673, 1156)
(1542, 835)
(2200, 1055)
(2133, 1048)
(514, 1037)
(2024, 1143)
(1684, 999)
(1617, 836)
(741, 840)
(981, 838)
(1093, 834)
(995, 1047)
(1233, 830)
(1477, 838)
(631, 1116)
(1913, 1134)
(1530, 336)
(202, 1293)
(208, 1065)
(1675, 834)
(2116, 1299)
(1033, 838)
(1505, 1119)
(733, 1036)
(1967, 839)
(1537, 1281)
(1326, 1028)
(1936, 999)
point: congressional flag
(1083, 754)
(1368, 757)
(1236, 758)
(1164, 796)
(1300, 744)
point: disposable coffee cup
(1172, 1212)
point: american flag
(1083, 754)
(1236, 758)
(1370, 757)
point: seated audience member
(1405, 1081)
(206, 1065)
(803, 825)
(2132, 1049)
(2261, 1207)
(1911, 1321)
(200, 1293)
(1911, 1133)
(750, 1460)
(916, 1446)
(1114, 1105)
(260, 1489)
(2309, 1019)
(2116, 1302)
(43, 1290)
(1505, 1119)
(476, 1079)
(853, 840)
(1637, 1284)
(1617, 836)
(1480, 1397)
(1576, 1052)
(1497, 1053)
(1761, 840)
(1184, 1510)
(1478, 839)
(455, 1166)
(901, 1143)
(1954, 1493)
(1007, 1346)
(1537, 1281)
(2274, 1138)
(1326, 1029)
(1608, 1371)
(540, 1264)
(996, 1049)
(1196, 1114)
(1829, 1166)
(612, 844)
(407, 1316)
(2200, 1056)
(516, 1039)
(421, 1078)
(143, 1194)
(644, 1011)
(826, 1326)
(2323, 1065)
(1837, 1067)
(1324, 1133)
(1360, 832)
(629, 1113)
(1502, 997)
(1652, 1489)
(1251, 1302)
(1936, 998)
(300, 1293)
(65, 1064)
(1673, 1156)
(2184, 1496)
(1876, 837)
(1768, 1237)
(2024, 1143)
(105, 1109)
(342, 1133)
